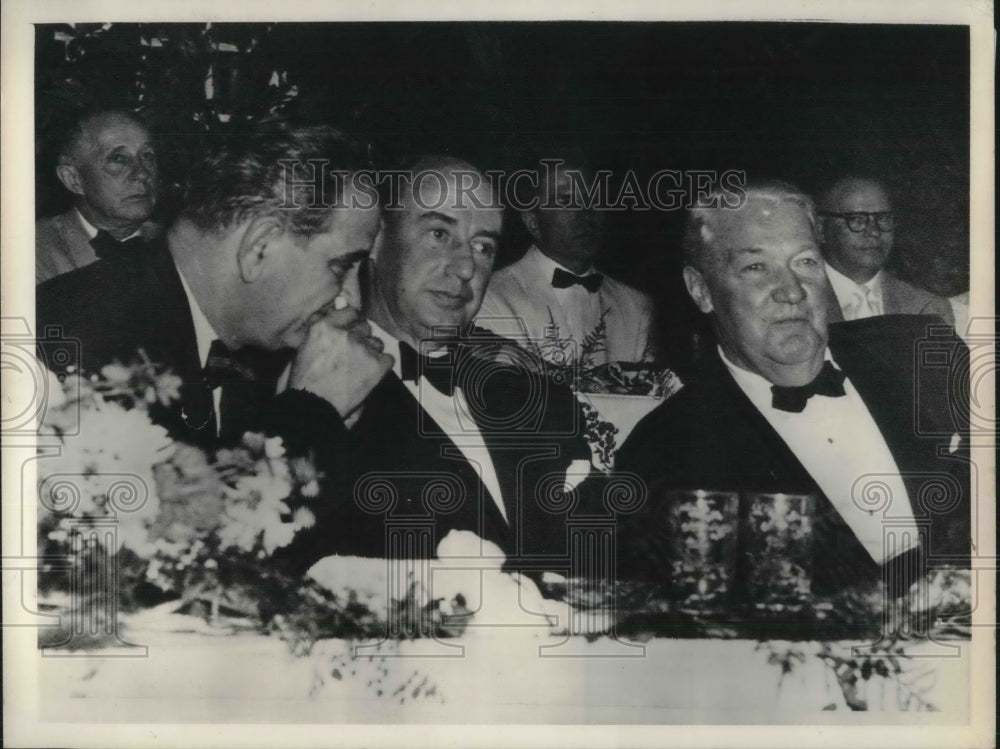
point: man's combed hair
(295, 173)
(699, 219)
(68, 139)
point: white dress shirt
(520, 302)
(856, 300)
(840, 445)
(581, 308)
(451, 413)
(204, 334)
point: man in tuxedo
(261, 261)
(858, 230)
(451, 438)
(554, 290)
(108, 163)
(788, 404)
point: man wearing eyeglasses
(858, 229)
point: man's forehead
(462, 194)
(761, 223)
(111, 131)
(858, 195)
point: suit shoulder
(901, 331)
(913, 300)
(46, 227)
(75, 285)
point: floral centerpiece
(614, 395)
(132, 523)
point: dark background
(801, 101)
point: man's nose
(788, 287)
(871, 228)
(461, 263)
(350, 287)
(140, 170)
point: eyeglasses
(859, 221)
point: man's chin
(798, 351)
(136, 213)
(448, 318)
(796, 343)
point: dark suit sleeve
(311, 427)
(305, 422)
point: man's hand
(340, 361)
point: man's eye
(439, 234)
(148, 158)
(753, 268)
(485, 248)
(808, 261)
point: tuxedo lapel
(762, 444)
(170, 326)
(891, 399)
(171, 334)
(394, 430)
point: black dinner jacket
(109, 311)
(396, 469)
(710, 436)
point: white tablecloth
(493, 675)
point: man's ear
(698, 289)
(254, 251)
(530, 219)
(69, 176)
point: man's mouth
(320, 313)
(450, 300)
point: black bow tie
(223, 368)
(829, 381)
(108, 248)
(563, 279)
(439, 371)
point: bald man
(858, 230)
(108, 163)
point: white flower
(116, 372)
(271, 489)
(276, 535)
(366, 578)
(303, 518)
(274, 448)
